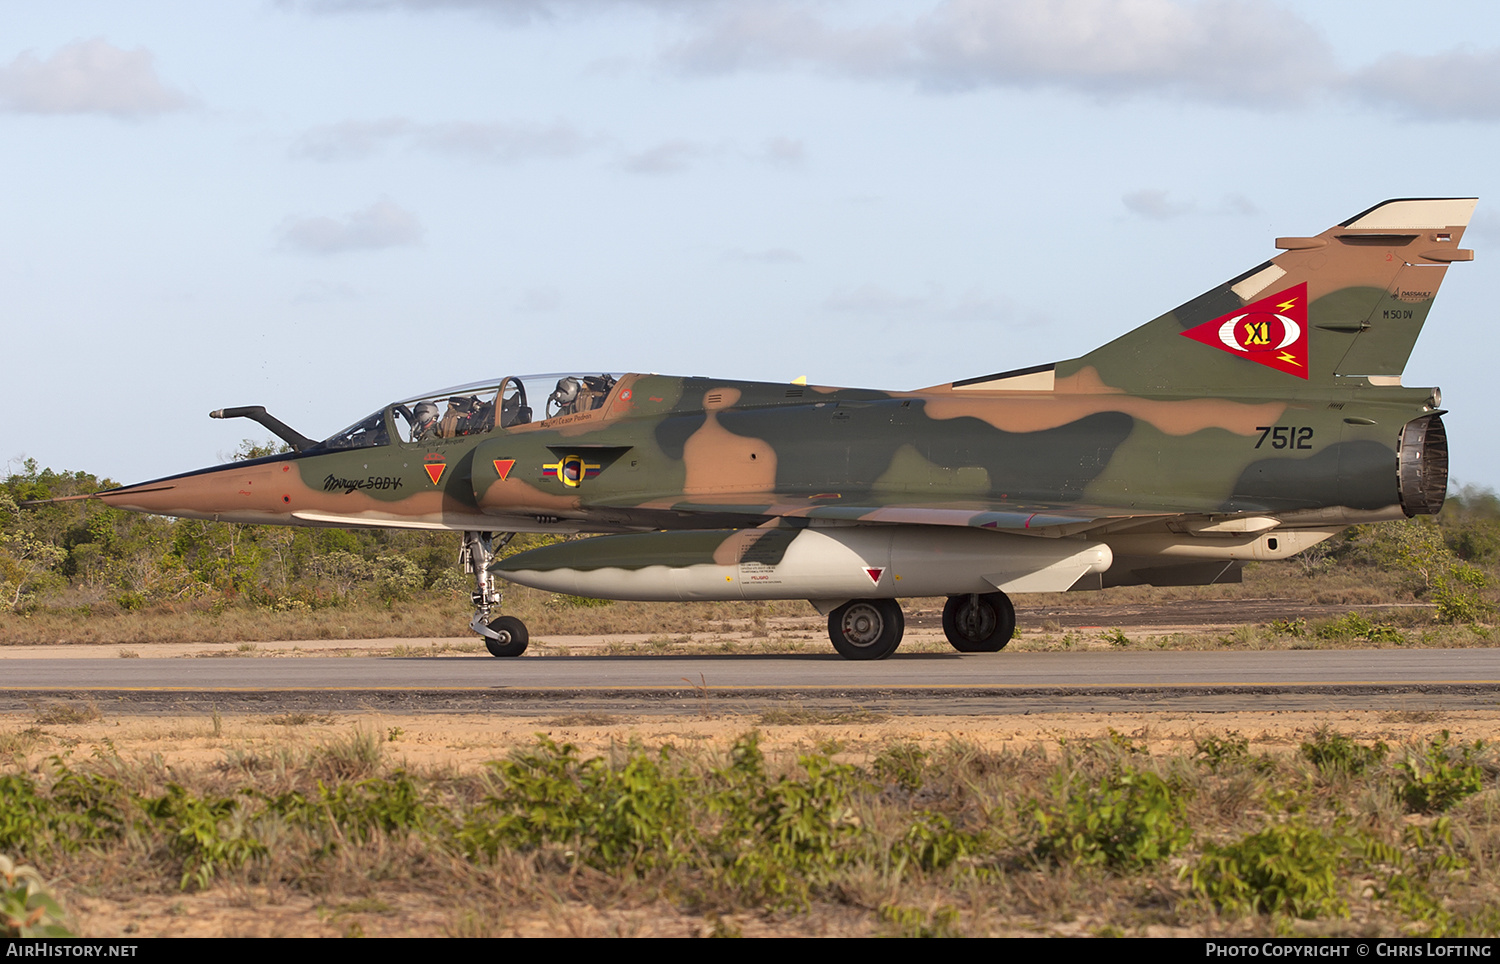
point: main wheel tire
(513, 637)
(866, 628)
(979, 622)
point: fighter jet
(1248, 423)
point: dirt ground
(1040, 619)
(463, 742)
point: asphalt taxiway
(915, 683)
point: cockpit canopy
(476, 408)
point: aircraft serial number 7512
(1251, 422)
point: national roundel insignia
(571, 470)
(1270, 332)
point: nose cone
(145, 497)
(237, 492)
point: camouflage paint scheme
(1277, 420)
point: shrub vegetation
(954, 840)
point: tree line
(85, 553)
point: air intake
(1422, 467)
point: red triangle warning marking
(503, 467)
(435, 470)
(875, 575)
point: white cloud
(1223, 50)
(512, 11)
(381, 225)
(514, 143)
(1258, 53)
(785, 151)
(494, 142)
(669, 157)
(775, 34)
(508, 12)
(1462, 83)
(1153, 203)
(1158, 205)
(677, 155)
(88, 77)
(350, 140)
(873, 299)
(1239, 204)
(317, 292)
(1235, 51)
(504, 143)
(973, 306)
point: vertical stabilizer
(1350, 301)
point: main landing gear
(872, 628)
(866, 628)
(979, 622)
(503, 635)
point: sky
(323, 205)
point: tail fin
(1348, 302)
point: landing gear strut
(504, 635)
(866, 628)
(979, 622)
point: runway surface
(1000, 682)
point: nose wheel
(503, 635)
(510, 637)
(866, 628)
(979, 622)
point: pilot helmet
(567, 390)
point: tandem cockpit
(475, 409)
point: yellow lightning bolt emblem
(1286, 305)
(1286, 356)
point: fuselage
(660, 452)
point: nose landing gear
(503, 635)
